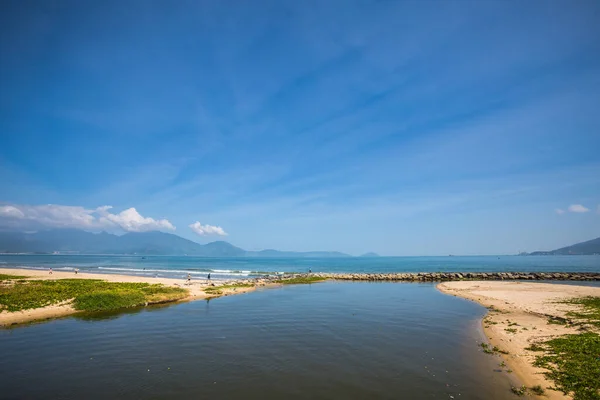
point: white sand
(529, 305)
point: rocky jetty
(428, 277)
(460, 276)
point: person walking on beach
(209, 276)
(50, 271)
(189, 279)
(76, 271)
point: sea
(250, 267)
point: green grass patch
(573, 363)
(300, 280)
(89, 294)
(7, 277)
(535, 347)
(109, 300)
(591, 309)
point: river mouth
(327, 340)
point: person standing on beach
(189, 279)
(76, 271)
(50, 271)
(209, 276)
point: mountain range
(146, 243)
(584, 248)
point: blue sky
(405, 128)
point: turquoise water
(324, 341)
(227, 268)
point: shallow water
(325, 341)
(241, 267)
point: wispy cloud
(559, 211)
(578, 208)
(204, 230)
(21, 217)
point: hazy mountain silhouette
(149, 243)
(584, 248)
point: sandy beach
(518, 317)
(196, 292)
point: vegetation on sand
(519, 391)
(218, 290)
(573, 363)
(491, 350)
(591, 309)
(6, 277)
(300, 280)
(537, 389)
(86, 294)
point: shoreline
(196, 291)
(518, 316)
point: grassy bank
(84, 294)
(573, 361)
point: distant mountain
(369, 255)
(584, 248)
(147, 243)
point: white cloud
(559, 211)
(578, 208)
(203, 230)
(131, 221)
(58, 216)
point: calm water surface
(324, 341)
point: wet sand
(195, 288)
(518, 317)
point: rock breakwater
(460, 276)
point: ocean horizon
(227, 268)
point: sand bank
(518, 317)
(196, 291)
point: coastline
(518, 317)
(196, 291)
